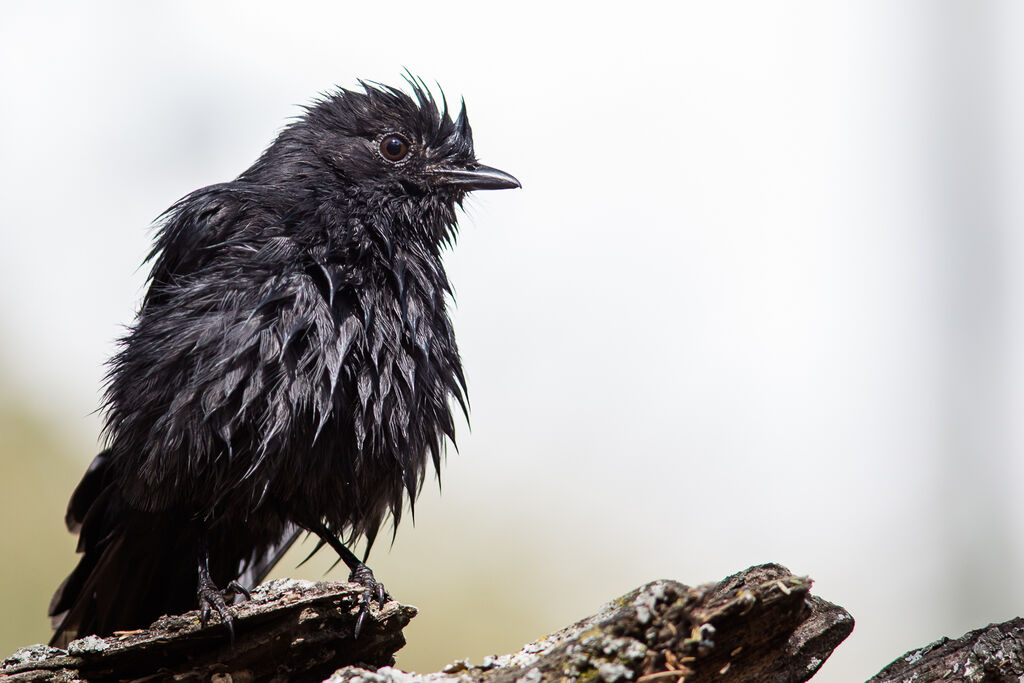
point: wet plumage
(292, 366)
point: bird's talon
(373, 591)
(359, 622)
(234, 588)
(211, 599)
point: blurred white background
(759, 299)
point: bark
(994, 654)
(289, 631)
(759, 625)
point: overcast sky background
(759, 299)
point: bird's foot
(372, 590)
(361, 574)
(212, 599)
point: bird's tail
(134, 566)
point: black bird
(292, 366)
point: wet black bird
(292, 367)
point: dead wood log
(289, 631)
(758, 625)
(994, 654)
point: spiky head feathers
(385, 134)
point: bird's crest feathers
(418, 115)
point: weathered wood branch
(289, 631)
(994, 654)
(759, 625)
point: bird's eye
(394, 147)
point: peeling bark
(994, 654)
(289, 631)
(758, 625)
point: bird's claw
(212, 599)
(234, 588)
(373, 590)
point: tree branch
(289, 630)
(758, 625)
(993, 654)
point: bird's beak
(477, 177)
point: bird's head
(395, 146)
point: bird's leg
(209, 596)
(360, 573)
